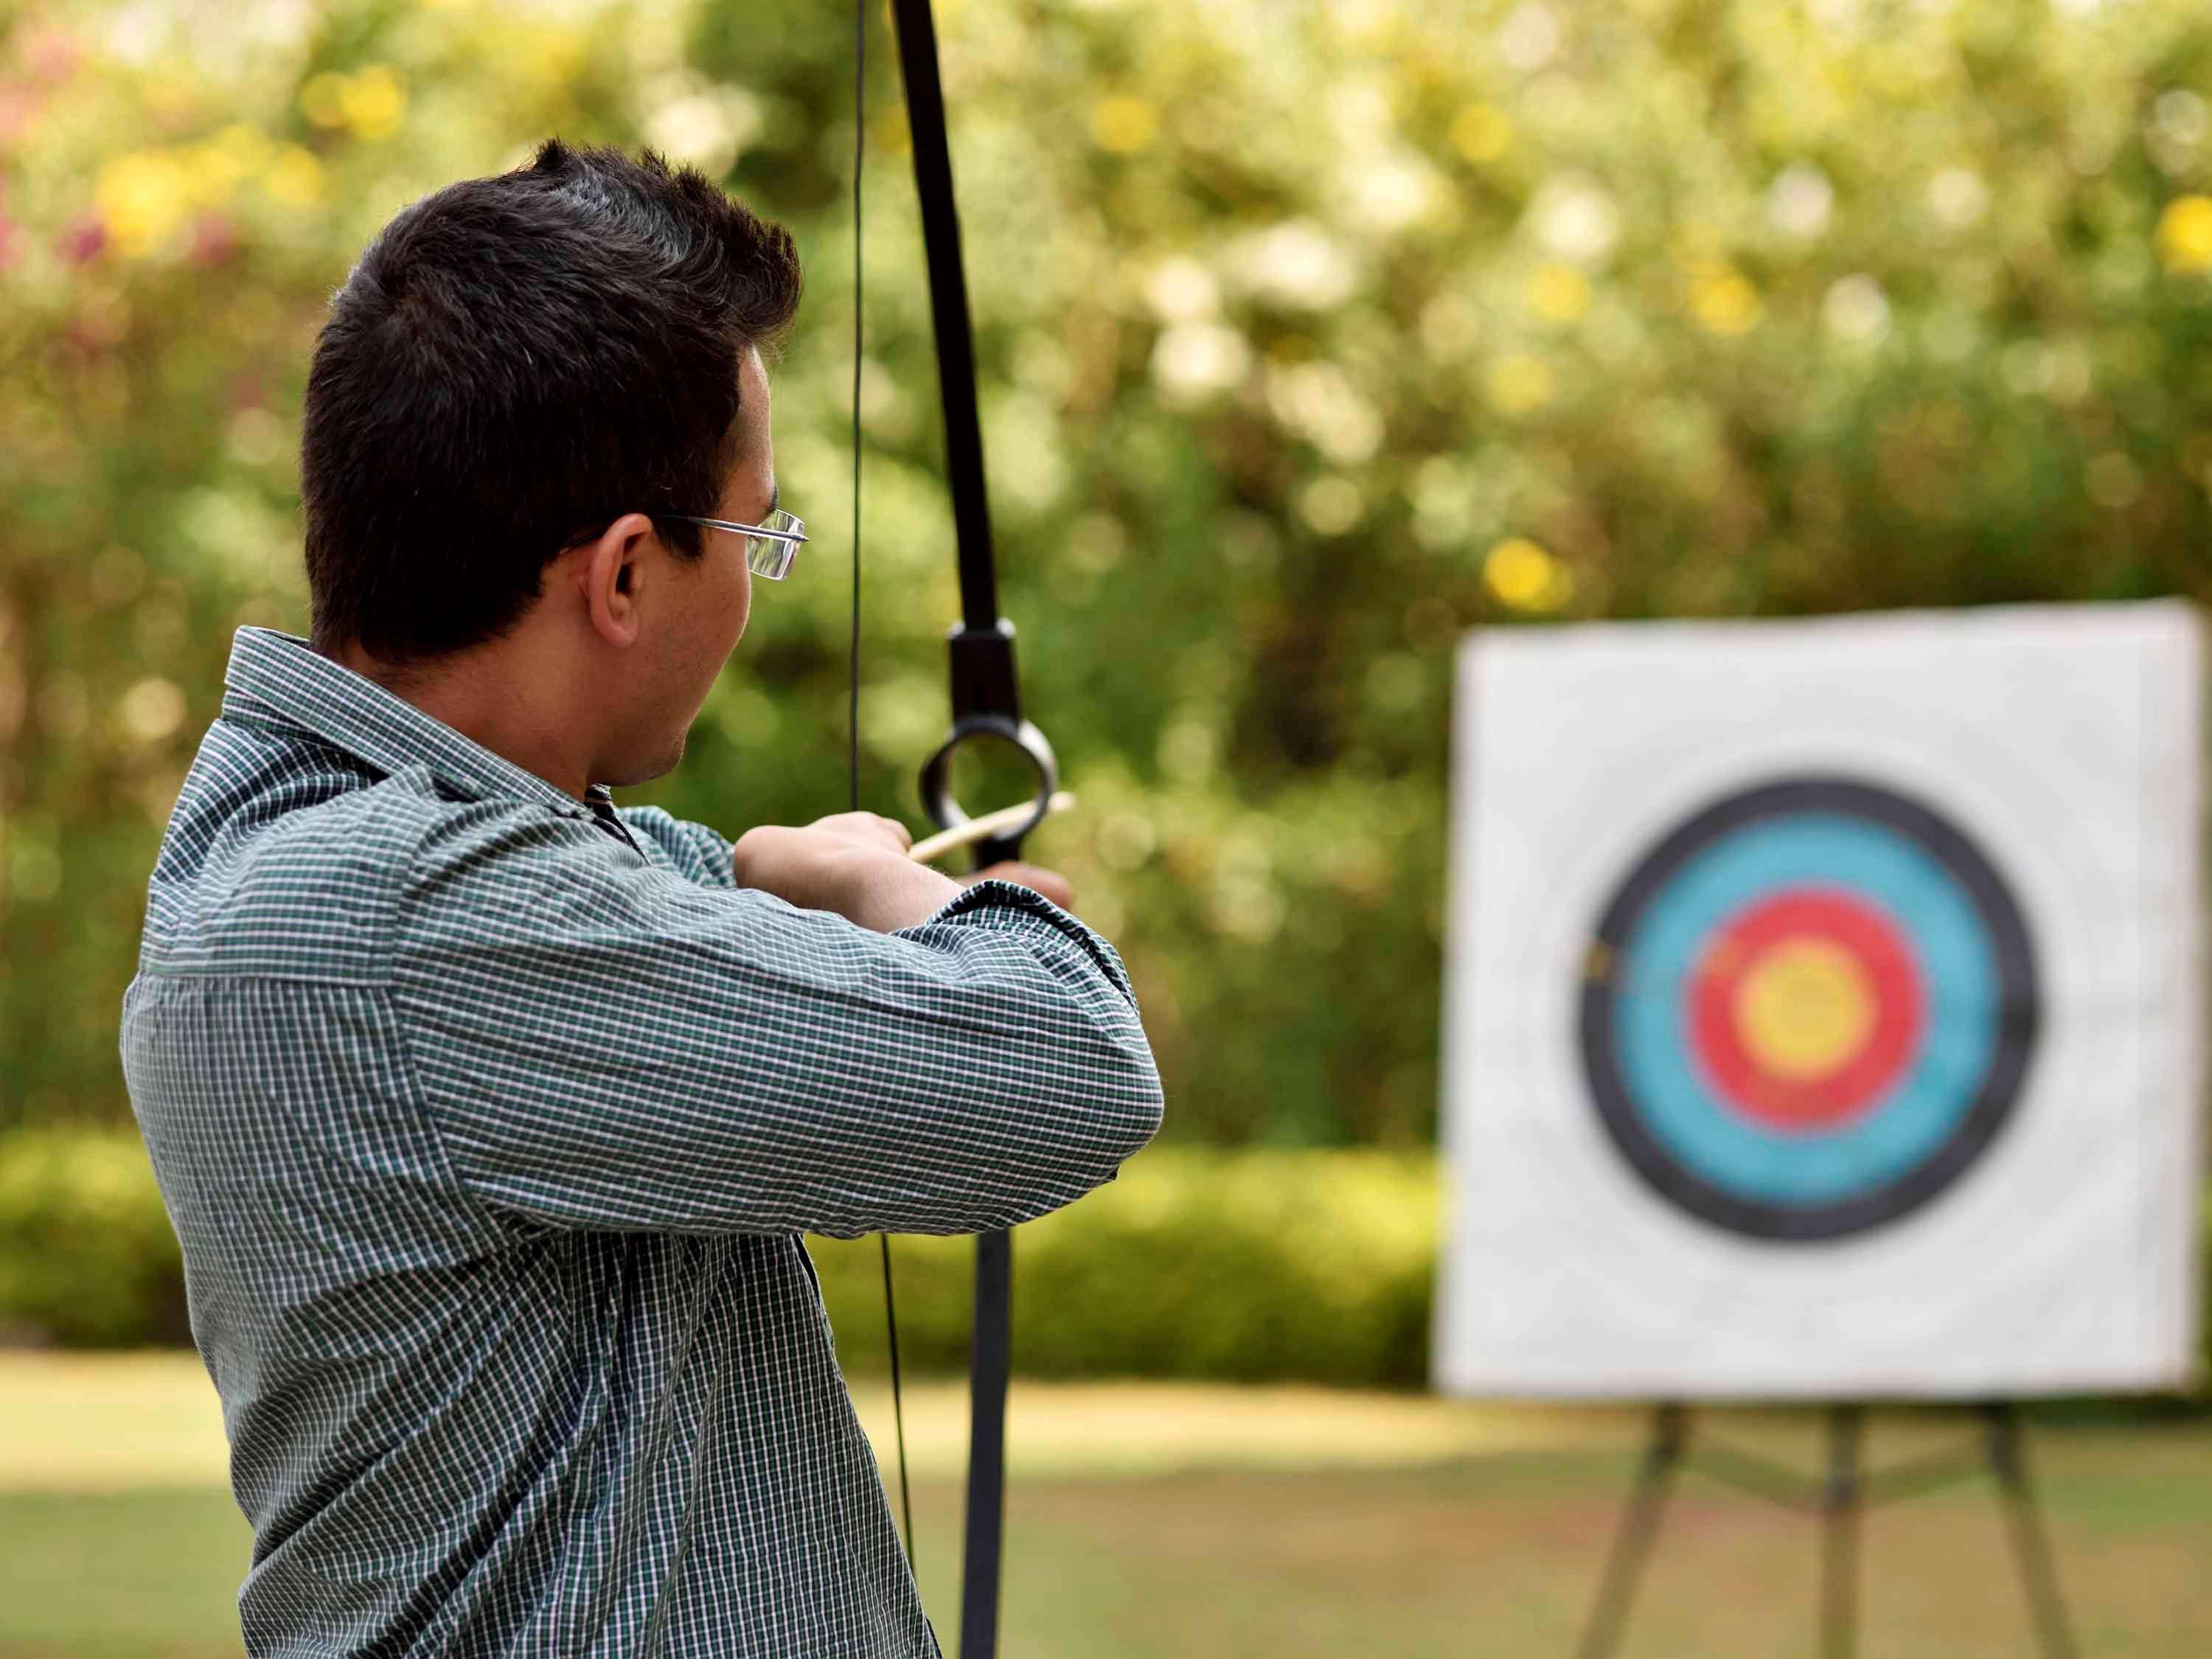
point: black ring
(2019, 1012)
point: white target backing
(1823, 1007)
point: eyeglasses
(770, 548)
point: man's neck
(487, 698)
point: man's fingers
(1035, 878)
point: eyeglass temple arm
(748, 529)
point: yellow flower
(374, 101)
(554, 56)
(216, 166)
(1519, 383)
(1524, 575)
(294, 177)
(1694, 244)
(2185, 235)
(1123, 123)
(242, 145)
(1481, 133)
(322, 99)
(1558, 293)
(141, 196)
(369, 104)
(1724, 303)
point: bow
(986, 705)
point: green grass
(1149, 1522)
(106, 1575)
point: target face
(1824, 1007)
(1808, 1010)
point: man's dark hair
(513, 363)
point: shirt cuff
(1004, 907)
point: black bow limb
(985, 704)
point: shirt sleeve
(701, 854)
(605, 1043)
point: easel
(1838, 1498)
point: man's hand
(852, 863)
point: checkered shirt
(490, 1119)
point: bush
(1250, 1267)
(88, 1258)
(1240, 1265)
(1247, 1267)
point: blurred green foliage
(1246, 1265)
(1311, 334)
(88, 1259)
(1249, 1265)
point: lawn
(1165, 1521)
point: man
(490, 1114)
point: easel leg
(1842, 1500)
(1632, 1544)
(2039, 1573)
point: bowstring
(852, 706)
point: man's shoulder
(291, 858)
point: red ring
(1851, 1088)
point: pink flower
(215, 238)
(17, 105)
(53, 55)
(84, 241)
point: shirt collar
(279, 679)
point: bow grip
(985, 704)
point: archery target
(1809, 1009)
(1822, 1006)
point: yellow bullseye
(1804, 1008)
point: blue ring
(1651, 1009)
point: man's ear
(611, 573)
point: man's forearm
(854, 865)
